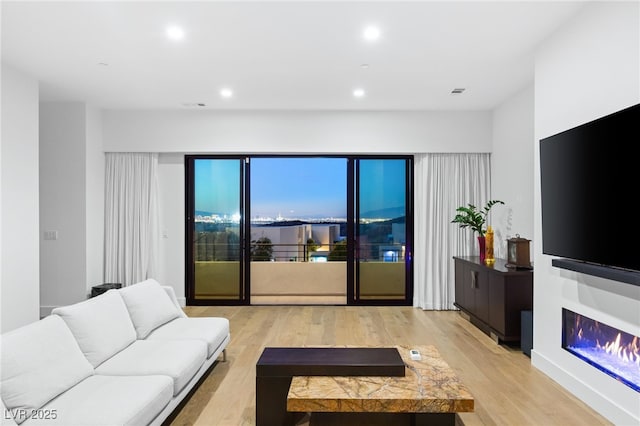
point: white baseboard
(592, 397)
(46, 311)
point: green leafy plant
(339, 252)
(471, 217)
(261, 250)
(312, 246)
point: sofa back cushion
(38, 362)
(149, 306)
(101, 325)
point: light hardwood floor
(506, 388)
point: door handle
(474, 279)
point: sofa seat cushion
(108, 400)
(212, 331)
(179, 360)
(149, 306)
(101, 325)
(38, 362)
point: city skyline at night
(297, 188)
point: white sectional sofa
(126, 357)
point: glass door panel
(216, 230)
(381, 261)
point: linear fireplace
(610, 350)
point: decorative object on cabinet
(471, 217)
(518, 253)
(482, 248)
(488, 258)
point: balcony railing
(377, 252)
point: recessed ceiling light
(175, 33)
(364, 66)
(358, 93)
(226, 93)
(371, 33)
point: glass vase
(489, 259)
(482, 247)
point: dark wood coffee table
(277, 366)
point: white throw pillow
(101, 325)
(39, 361)
(149, 306)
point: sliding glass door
(215, 231)
(319, 230)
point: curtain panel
(131, 217)
(444, 182)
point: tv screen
(590, 191)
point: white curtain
(444, 182)
(131, 234)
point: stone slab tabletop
(429, 386)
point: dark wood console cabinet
(493, 296)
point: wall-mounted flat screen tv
(590, 191)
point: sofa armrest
(7, 416)
(174, 299)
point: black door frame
(245, 228)
(353, 281)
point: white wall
(171, 202)
(587, 70)
(512, 170)
(71, 202)
(94, 190)
(19, 195)
(296, 132)
(62, 203)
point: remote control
(415, 355)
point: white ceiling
(280, 55)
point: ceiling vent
(457, 91)
(193, 105)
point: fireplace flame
(629, 353)
(611, 350)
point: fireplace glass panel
(610, 350)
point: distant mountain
(391, 212)
(286, 223)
